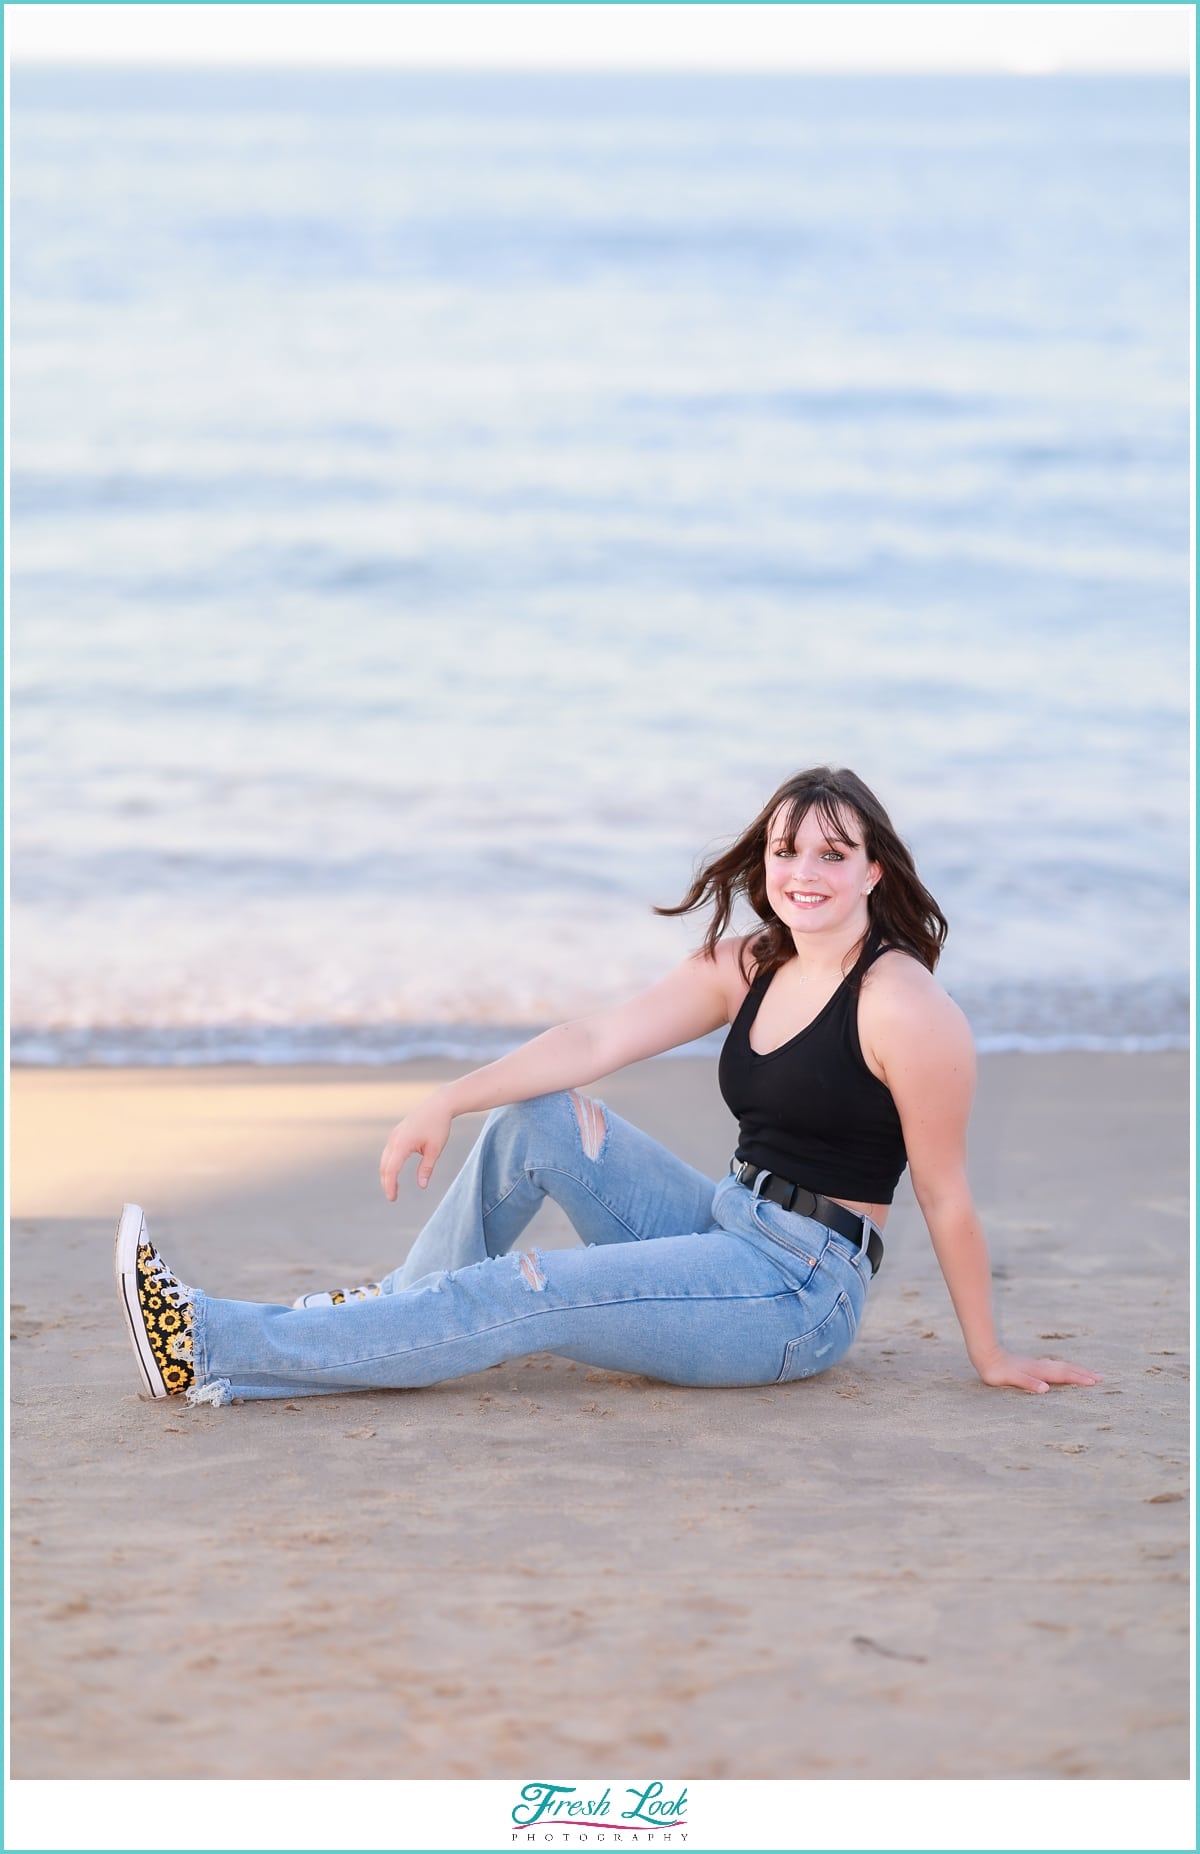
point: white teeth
(792, 896)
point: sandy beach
(887, 1571)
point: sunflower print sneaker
(338, 1297)
(157, 1308)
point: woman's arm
(922, 1043)
(688, 1003)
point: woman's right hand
(699, 995)
(426, 1131)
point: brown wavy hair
(901, 911)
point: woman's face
(816, 882)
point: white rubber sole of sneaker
(131, 1232)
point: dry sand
(887, 1571)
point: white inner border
(718, 37)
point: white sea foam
(103, 1048)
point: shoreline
(948, 1581)
(280, 1049)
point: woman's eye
(836, 855)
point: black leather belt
(805, 1203)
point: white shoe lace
(157, 1272)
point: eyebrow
(792, 819)
(831, 843)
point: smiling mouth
(804, 900)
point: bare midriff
(877, 1212)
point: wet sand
(887, 1571)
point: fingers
(1022, 1381)
(391, 1165)
(1058, 1371)
(1041, 1373)
(396, 1154)
(1036, 1375)
(429, 1157)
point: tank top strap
(739, 1027)
(873, 946)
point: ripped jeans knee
(592, 1123)
(530, 1264)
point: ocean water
(443, 508)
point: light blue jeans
(681, 1279)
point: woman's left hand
(1012, 1371)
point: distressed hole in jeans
(531, 1270)
(590, 1116)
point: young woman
(845, 1060)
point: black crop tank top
(811, 1110)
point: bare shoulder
(896, 978)
(901, 998)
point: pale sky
(1031, 38)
